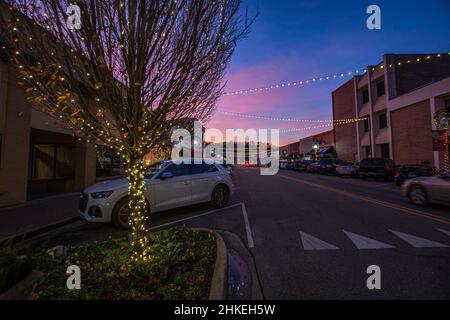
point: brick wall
(411, 134)
(414, 75)
(345, 135)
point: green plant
(180, 267)
(13, 267)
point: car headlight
(101, 195)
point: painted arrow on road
(447, 232)
(362, 242)
(418, 242)
(312, 243)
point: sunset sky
(295, 39)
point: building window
(385, 150)
(108, 162)
(365, 96)
(53, 162)
(366, 125)
(382, 120)
(380, 89)
(447, 106)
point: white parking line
(248, 230)
(196, 216)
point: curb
(218, 282)
(235, 243)
(23, 290)
(26, 235)
(218, 290)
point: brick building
(37, 155)
(399, 97)
(304, 148)
(40, 157)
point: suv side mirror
(166, 175)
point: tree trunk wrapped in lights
(138, 207)
(132, 70)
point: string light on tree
(84, 79)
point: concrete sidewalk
(37, 214)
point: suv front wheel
(121, 214)
(220, 196)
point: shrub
(181, 268)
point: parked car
(347, 169)
(283, 164)
(167, 187)
(425, 190)
(328, 166)
(377, 168)
(290, 165)
(412, 171)
(229, 169)
(313, 167)
(303, 165)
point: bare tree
(131, 70)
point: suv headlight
(101, 195)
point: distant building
(320, 145)
(399, 99)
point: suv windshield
(154, 168)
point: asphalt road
(313, 236)
(287, 209)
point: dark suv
(328, 166)
(377, 168)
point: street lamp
(315, 147)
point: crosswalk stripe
(312, 243)
(418, 242)
(362, 242)
(447, 232)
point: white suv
(169, 186)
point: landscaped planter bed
(182, 267)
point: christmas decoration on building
(442, 119)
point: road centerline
(371, 200)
